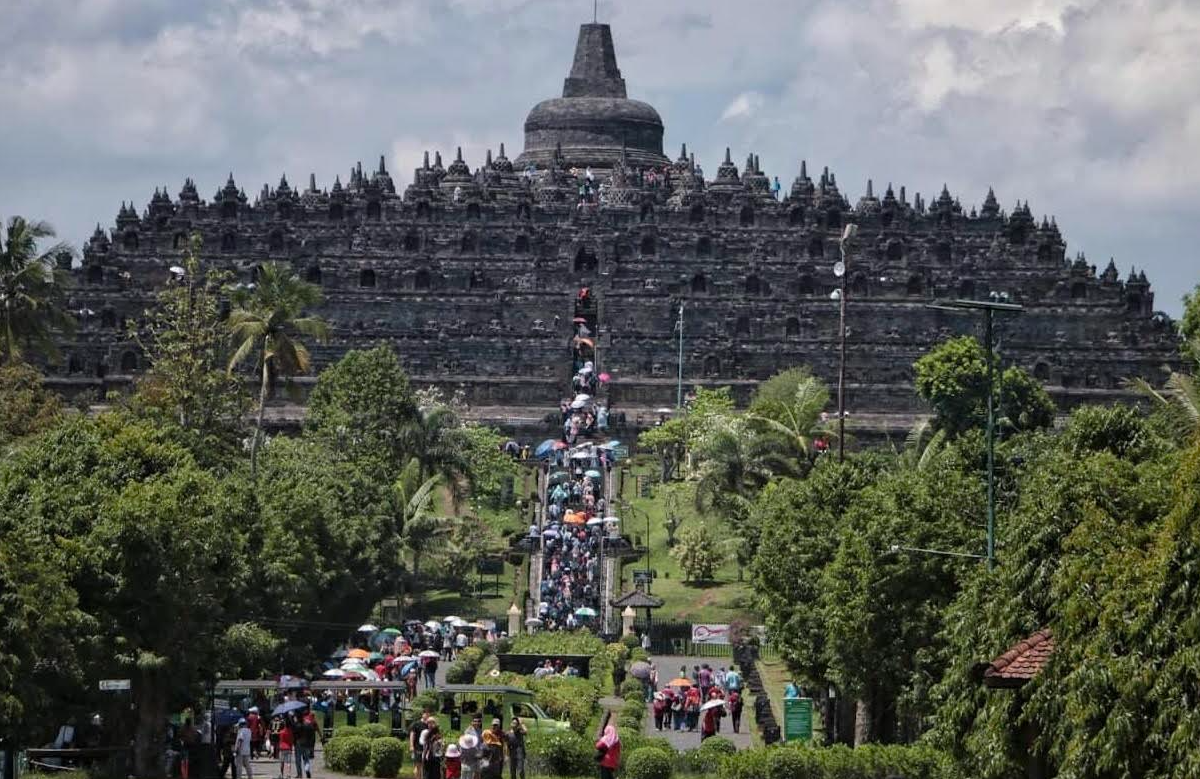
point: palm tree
(921, 446)
(1180, 397)
(418, 525)
(439, 445)
(31, 290)
(269, 315)
(787, 407)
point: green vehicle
(496, 701)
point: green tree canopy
(952, 378)
(362, 407)
(26, 406)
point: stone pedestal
(627, 621)
(514, 620)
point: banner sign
(114, 685)
(797, 719)
(710, 634)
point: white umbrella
(582, 456)
(533, 622)
(458, 623)
(433, 624)
(334, 673)
(428, 653)
(714, 703)
(577, 404)
(367, 628)
(595, 521)
(664, 410)
(584, 398)
(451, 618)
(613, 520)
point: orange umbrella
(574, 518)
(360, 653)
(680, 682)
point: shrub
(629, 724)
(347, 730)
(631, 686)
(718, 744)
(564, 696)
(802, 762)
(631, 641)
(425, 700)
(639, 654)
(634, 709)
(648, 763)
(560, 754)
(348, 754)
(462, 670)
(387, 755)
(618, 653)
(375, 730)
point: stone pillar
(514, 620)
(627, 621)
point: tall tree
(953, 379)
(187, 341)
(266, 323)
(32, 299)
(787, 407)
(418, 523)
(362, 407)
(438, 442)
(26, 406)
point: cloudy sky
(1089, 109)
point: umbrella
(640, 670)
(592, 474)
(585, 342)
(428, 653)
(578, 403)
(375, 657)
(560, 477)
(334, 673)
(680, 682)
(613, 520)
(367, 628)
(560, 444)
(361, 654)
(533, 622)
(585, 611)
(613, 444)
(583, 397)
(574, 519)
(402, 659)
(408, 668)
(287, 707)
(339, 654)
(457, 622)
(605, 378)
(390, 632)
(476, 625)
(544, 448)
(451, 618)
(579, 320)
(713, 704)
(228, 717)
(581, 456)
(550, 533)
(664, 410)
(595, 521)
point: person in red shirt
(257, 731)
(286, 743)
(608, 749)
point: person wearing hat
(453, 762)
(470, 749)
(493, 750)
(241, 751)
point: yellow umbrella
(362, 654)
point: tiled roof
(1021, 663)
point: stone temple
(473, 274)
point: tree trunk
(262, 407)
(150, 728)
(864, 725)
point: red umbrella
(579, 320)
(604, 378)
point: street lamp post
(996, 302)
(679, 378)
(839, 270)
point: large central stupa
(594, 119)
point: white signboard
(710, 634)
(114, 685)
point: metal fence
(674, 637)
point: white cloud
(744, 106)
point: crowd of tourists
(698, 699)
(476, 754)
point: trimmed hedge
(564, 696)
(560, 754)
(719, 744)
(375, 730)
(387, 756)
(838, 762)
(648, 763)
(347, 730)
(464, 667)
(348, 754)
(632, 686)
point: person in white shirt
(241, 751)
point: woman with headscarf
(608, 752)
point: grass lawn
(775, 678)
(721, 600)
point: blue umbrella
(408, 667)
(544, 448)
(288, 707)
(228, 717)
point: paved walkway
(668, 668)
